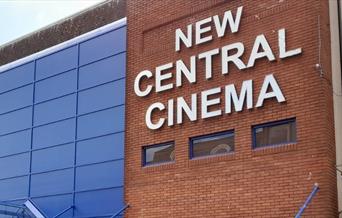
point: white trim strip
(33, 209)
(111, 26)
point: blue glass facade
(62, 122)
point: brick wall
(271, 182)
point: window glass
(282, 132)
(213, 144)
(159, 153)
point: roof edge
(59, 21)
(78, 24)
(101, 30)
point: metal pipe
(13, 214)
(120, 211)
(339, 29)
(312, 194)
(11, 205)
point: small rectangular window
(276, 133)
(159, 153)
(213, 144)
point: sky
(20, 17)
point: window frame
(272, 124)
(191, 144)
(145, 147)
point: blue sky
(20, 17)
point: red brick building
(271, 181)
(232, 108)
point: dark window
(159, 153)
(213, 144)
(276, 133)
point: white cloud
(25, 16)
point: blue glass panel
(16, 99)
(100, 123)
(15, 143)
(55, 182)
(17, 77)
(57, 63)
(53, 205)
(56, 86)
(103, 46)
(106, 70)
(16, 120)
(102, 82)
(102, 202)
(100, 149)
(100, 176)
(53, 158)
(16, 165)
(53, 134)
(54, 110)
(112, 94)
(14, 188)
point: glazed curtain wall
(62, 128)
